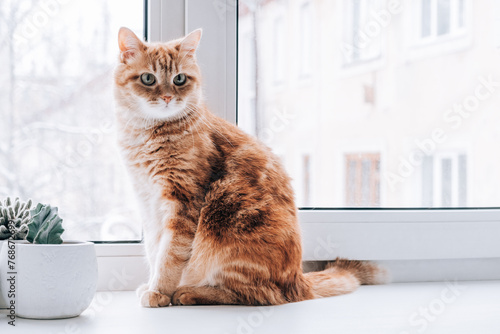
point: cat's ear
(190, 43)
(130, 44)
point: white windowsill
(416, 245)
(439, 46)
(470, 307)
(122, 249)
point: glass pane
(462, 180)
(279, 49)
(446, 188)
(307, 179)
(410, 110)
(57, 141)
(306, 38)
(361, 37)
(427, 182)
(351, 184)
(443, 17)
(496, 13)
(356, 28)
(376, 183)
(426, 18)
(461, 20)
(365, 182)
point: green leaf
(45, 226)
(50, 232)
(38, 216)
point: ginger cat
(220, 222)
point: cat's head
(157, 81)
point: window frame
(348, 67)
(455, 29)
(455, 180)
(361, 55)
(358, 158)
(418, 48)
(367, 234)
(279, 27)
(305, 44)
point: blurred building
(376, 103)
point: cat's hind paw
(183, 296)
(151, 298)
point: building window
(362, 180)
(379, 106)
(444, 180)
(496, 10)
(439, 18)
(279, 47)
(306, 38)
(306, 170)
(361, 31)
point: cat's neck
(141, 130)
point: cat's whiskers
(193, 122)
(194, 110)
(131, 120)
(128, 122)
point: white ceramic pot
(51, 281)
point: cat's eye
(180, 79)
(148, 79)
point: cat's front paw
(151, 298)
(140, 290)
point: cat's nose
(167, 98)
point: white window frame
(418, 48)
(306, 42)
(366, 54)
(454, 158)
(346, 172)
(497, 23)
(455, 29)
(349, 67)
(278, 49)
(406, 237)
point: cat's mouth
(174, 103)
(160, 110)
(172, 106)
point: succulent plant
(14, 218)
(45, 226)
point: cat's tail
(344, 276)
